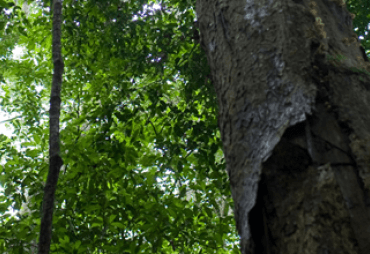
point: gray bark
(55, 161)
(293, 103)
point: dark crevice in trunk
(261, 236)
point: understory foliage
(143, 166)
(361, 8)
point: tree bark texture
(55, 161)
(293, 113)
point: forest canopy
(143, 164)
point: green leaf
(118, 225)
(3, 4)
(112, 217)
(77, 244)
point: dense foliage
(143, 167)
(361, 8)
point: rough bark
(293, 103)
(55, 161)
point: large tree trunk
(293, 115)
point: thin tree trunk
(54, 158)
(293, 115)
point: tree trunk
(293, 113)
(55, 161)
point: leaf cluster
(143, 166)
